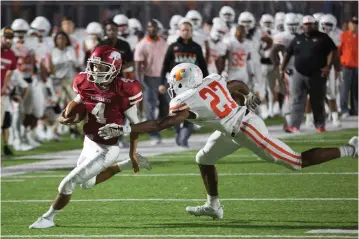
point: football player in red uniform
(107, 99)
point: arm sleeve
(167, 62)
(133, 91)
(132, 115)
(202, 62)
(176, 105)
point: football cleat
(206, 210)
(41, 223)
(354, 142)
(143, 162)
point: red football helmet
(103, 65)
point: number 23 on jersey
(219, 97)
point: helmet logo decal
(178, 75)
(115, 55)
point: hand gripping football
(75, 111)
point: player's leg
(90, 163)
(5, 133)
(218, 146)
(254, 135)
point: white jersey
(25, 59)
(212, 104)
(64, 61)
(284, 39)
(217, 50)
(172, 38)
(239, 53)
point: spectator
(8, 65)
(348, 51)
(313, 58)
(183, 50)
(63, 59)
(111, 31)
(149, 55)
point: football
(76, 111)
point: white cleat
(354, 142)
(206, 210)
(143, 162)
(41, 223)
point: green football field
(260, 199)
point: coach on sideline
(313, 58)
(181, 51)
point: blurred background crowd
(44, 45)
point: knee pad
(89, 183)
(203, 158)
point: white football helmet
(219, 30)
(94, 28)
(291, 23)
(20, 25)
(134, 25)
(267, 22)
(183, 77)
(41, 24)
(279, 21)
(195, 18)
(175, 19)
(300, 20)
(327, 23)
(122, 23)
(227, 14)
(247, 20)
(317, 16)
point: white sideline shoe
(41, 223)
(143, 162)
(354, 142)
(206, 210)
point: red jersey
(106, 106)
(8, 62)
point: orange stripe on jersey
(270, 142)
(269, 150)
(176, 107)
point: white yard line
(173, 236)
(333, 231)
(12, 180)
(180, 200)
(197, 174)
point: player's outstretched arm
(133, 149)
(113, 130)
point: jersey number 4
(212, 90)
(99, 112)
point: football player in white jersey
(269, 70)
(134, 26)
(217, 47)
(279, 22)
(228, 15)
(255, 36)
(300, 19)
(239, 56)
(32, 108)
(68, 26)
(124, 31)
(281, 42)
(199, 35)
(208, 102)
(95, 34)
(174, 27)
(327, 24)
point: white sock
(287, 118)
(50, 214)
(335, 116)
(346, 151)
(309, 117)
(125, 165)
(213, 201)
